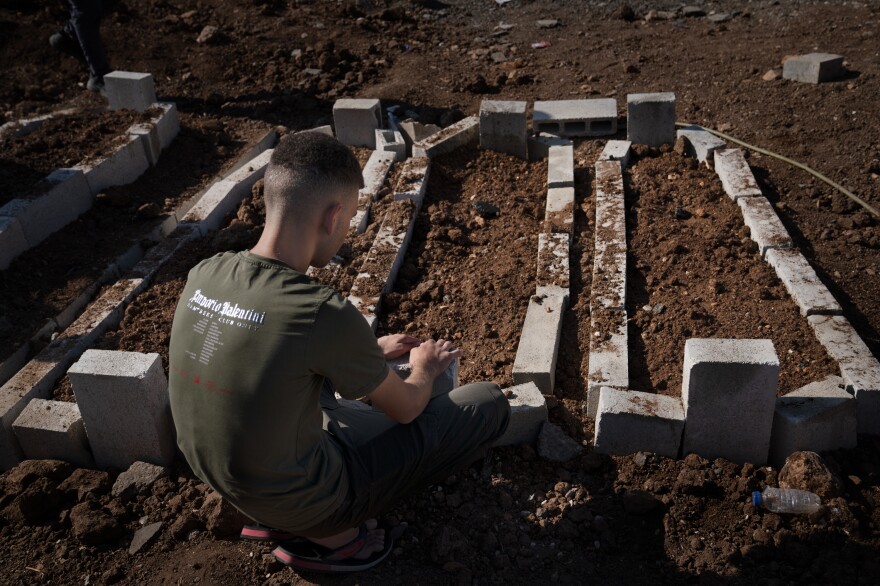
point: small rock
(84, 481)
(682, 214)
(221, 518)
(639, 502)
(184, 525)
(210, 35)
(719, 17)
(658, 308)
(692, 11)
(143, 536)
(149, 210)
(547, 23)
(138, 479)
(808, 471)
(554, 445)
(626, 13)
(486, 209)
(771, 75)
(93, 527)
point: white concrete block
(609, 179)
(818, 417)
(735, 174)
(129, 90)
(444, 383)
(12, 241)
(375, 172)
(361, 218)
(630, 421)
(356, 121)
(149, 135)
(701, 144)
(539, 146)
(539, 341)
(504, 127)
(765, 226)
(222, 198)
(553, 259)
(651, 118)
(391, 141)
(560, 166)
(729, 394)
(802, 282)
(528, 412)
(814, 68)
(124, 166)
(559, 214)
(66, 196)
(326, 129)
(53, 430)
(596, 117)
(858, 367)
(450, 138)
(617, 150)
(413, 180)
(167, 123)
(123, 398)
(608, 361)
(608, 288)
(414, 132)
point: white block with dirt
(736, 177)
(53, 430)
(802, 282)
(450, 138)
(765, 227)
(528, 412)
(630, 421)
(538, 347)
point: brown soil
(493, 525)
(61, 141)
(461, 273)
(702, 277)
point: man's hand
(433, 357)
(397, 345)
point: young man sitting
(258, 350)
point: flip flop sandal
(305, 555)
(262, 533)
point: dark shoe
(302, 554)
(263, 533)
(95, 84)
(63, 42)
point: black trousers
(85, 26)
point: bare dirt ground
(517, 518)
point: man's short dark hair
(306, 166)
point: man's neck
(293, 252)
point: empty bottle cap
(756, 498)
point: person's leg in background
(81, 38)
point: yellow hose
(815, 174)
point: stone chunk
(858, 367)
(356, 121)
(630, 421)
(539, 342)
(617, 150)
(651, 118)
(814, 68)
(143, 536)
(560, 167)
(576, 117)
(818, 417)
(53, 430)
(137, 480)
(801, 281)
(129, 90)
(554, 445)
(503, 127)
(765, 226)
(735, 174)
(700, 143)
(729, 393)
(391, 141)
(528, 412)
(450, 138)
(123, 397)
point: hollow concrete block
(528, 412)
(504, 127)
(729, 393)
(651, 118)
(859, 368)
(53, 430)
(129, 90)
(391, 141)
(595, 117)
(802, 282)
(818, 417)
(630, 421)
(123, 397)
(356, 121)
(538, 347)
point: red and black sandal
(305, 555)
(262, 533)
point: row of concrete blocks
(39, 375)
(70, 192)
(118, 268)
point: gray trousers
(388, 461)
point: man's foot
(95, 83)
(63, 42)
(353, 550)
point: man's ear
(332, 215)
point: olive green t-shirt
(252, 343)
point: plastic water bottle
(787, 500)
